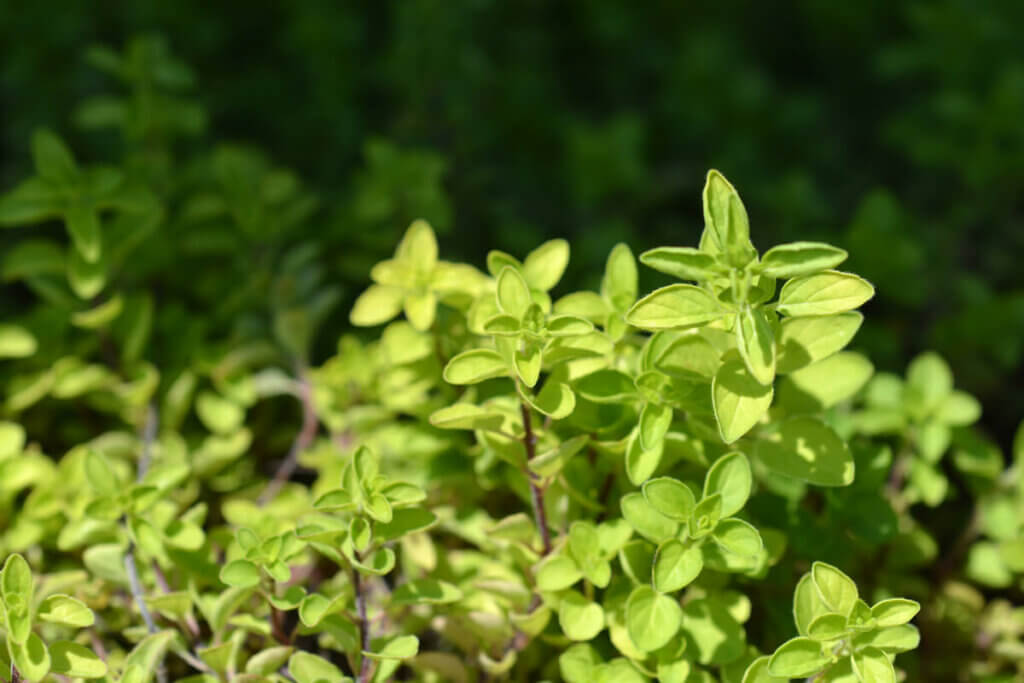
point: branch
(302, 441)
(536, 493)
(148, 435)
(365, 663)
(140, 600)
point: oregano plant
(488, 478)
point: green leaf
(377, 305)
(798, 658)
(827, 383)
(800, 258)
(87, 279)
(577, 663)
(418, 247)
(64, 609)
(100, 315)
(497, 261)
(568, 326)
(606, 386)
(894, 611)
(585, 546)
(555, 399)
(405, 521)
(83, 224)
(219, 414)
(646, 520)
(476, 365)
(12, 439)
(401, 647)
(580, 619)
(756, 342)
(827, 627)
(637, 559)
(550, 463)
(52, 158)
(16, 587)
(557, 572)
(837, 590)
(360, 533)
(652, 619)
(268, 661)
(420, 309)
(377, 506)
(676, 565)
(871, 665)
(670, 497)
(730, 477)
(72, 659)
(685, 263)
(527, 362)
(240, 574)
(803, 341)
(587, 305)
(149, 652)
(929, 383)
(502, 325)
(807, 449)
(619, 285)
(32, 201)
(726, 219)
(221, 658)
(892, 640)
(16, 341)
(467, 416)
(309, 668)
(824, 293)
(674, 307)
(641, 463)
(426, 592)
(705, 516)
(544, 266)
(739, 400)
(513, 293)
(808, 604)
(738, 538)
(654, 423)
(757, 672)
(31, 657)
(958, 409)
(712, 634)
(31, 257)
(313, 608)
(174, 605)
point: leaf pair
(414, 281)
(829, 613)
(29, 654)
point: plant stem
(140, 601)
(365, 663)
(302, 441)
(148, 436)
(536, 492)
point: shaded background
(895, 130)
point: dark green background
(894, 129)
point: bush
(696, 484)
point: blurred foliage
(891, 129)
